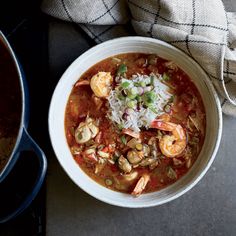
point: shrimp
(164, 117)
(82, 83)
(141, 184)
(171, 145)
(131, 133)
(101, 84)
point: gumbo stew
(135, 123)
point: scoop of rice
(144, 115)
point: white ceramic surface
(125, 45)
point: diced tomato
(111, 148)
(114, 168)
(105, 149)
(79, 159)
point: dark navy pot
(24, 142)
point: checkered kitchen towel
(201, 28)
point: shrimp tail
(141, 184)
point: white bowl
(142, 45)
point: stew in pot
(10, 105)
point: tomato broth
(135, 123)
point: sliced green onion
(151, 94)
(134, 91)
(152, 80)
(165, 77)
(153, 109)
(167, 108)
(132, 104)
(122, 69)
(120, 126)
(142, 84)
(108, 182)
(79, 136)
(121, 97)
(131, 96)
(138, 98)
(125, 84)
(172, 99)
(123, 139)
(149, 97)
(171, 173)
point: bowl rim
(210, 87)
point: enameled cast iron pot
(24, 142)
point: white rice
(144, 116)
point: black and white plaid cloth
(201, 28)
